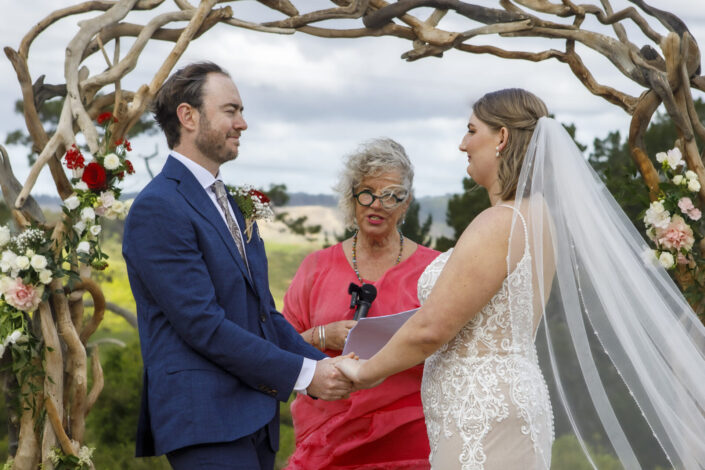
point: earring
(496, 154)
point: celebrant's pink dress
(379, 428)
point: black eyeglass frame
(388, 196)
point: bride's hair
(518, 110)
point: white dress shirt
(206, 179)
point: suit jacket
(217, 355)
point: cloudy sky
(309, 101)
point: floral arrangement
(27, 266)
(674, 223)
(62, 461)
(253, 204)
(96, 193)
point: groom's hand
(328, 382)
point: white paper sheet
(370, 334)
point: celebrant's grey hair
(372, 158)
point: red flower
(118, 142)
(94, 176)
(105, 116)
(260, 195)
(120, 175)
(130, 168)
(74, 158)
(128, 146)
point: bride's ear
(503, 138)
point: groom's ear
(188, 117)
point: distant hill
(434, 205)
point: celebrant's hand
(337, 333)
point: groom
(218, 357)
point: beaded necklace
(354, 254)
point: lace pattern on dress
(489, 371)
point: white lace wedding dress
(485, 400)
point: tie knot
(219, 189)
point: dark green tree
(413, 229)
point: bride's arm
(472, 276)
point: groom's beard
(214, 144)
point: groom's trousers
(251, 452)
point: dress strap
(526, 232)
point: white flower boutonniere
(253, 204)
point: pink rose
(23, 297)
(676, 235)
(685, 204)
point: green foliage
(462, 208)
(568, 454)
(278, 195)
(112, 423)
(412, 227)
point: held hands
(353, 369)
(328, 382)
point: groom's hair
(184, 86)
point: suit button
(263, 317)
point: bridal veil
(621, 350)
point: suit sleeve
(289, 333)
(161, 248)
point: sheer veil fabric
(620, 348)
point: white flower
(45, 276)
(95, 230)
(87, 214)
(13, 337)
(55, 455)
(7, 261)
(81, 184)
(2, 350)
(79, 227)
(85, 454)
(5, 282)
(116, 210)
(72, 202)
(657, 215)
(694, 185)
(38, 262)
(673, 157)
(691, 175)
(29, 253)
(78, 173)
(666, 260)
(21, 262)
(111, 161)
(678, 179)
(107, 198)
(84, 247)
(4, 235)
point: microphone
(364, 296)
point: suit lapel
(196, 196)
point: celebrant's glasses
(389, 200)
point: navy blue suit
(217, 355)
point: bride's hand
(351, 368)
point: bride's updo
(519, 111)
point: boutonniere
(253, 204)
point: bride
(555, 263)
